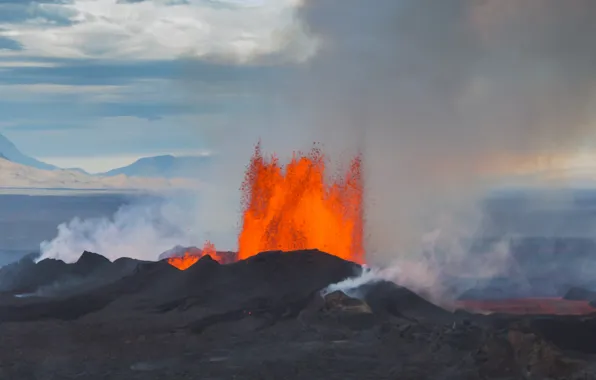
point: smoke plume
(446, 100)
(143, 229)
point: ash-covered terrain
(267, 317)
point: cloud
(79, 103)
(30, 91)
(110, 72)
(114, 136)
(11, 64)
(47, 12)
(444, 101)
(9, 44)
(158, 29)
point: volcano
(269, 312)
(299, 206)
(185, 257)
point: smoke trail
(143, 229)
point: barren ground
(264, 319)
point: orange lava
(189, 259)
(529, 306)
(297, 208)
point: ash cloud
(446, 100)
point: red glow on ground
(529, 306)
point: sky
(97, 84)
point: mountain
(9, 151)
(14, 175)
(164, 167)
(78, 170)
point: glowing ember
(297, 209)
(189, 259)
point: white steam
(446, 100)
(142, 229)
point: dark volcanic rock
(344, 310)
(276, 285)
(338, 300)
(34, 309)
(89, 262)
(568, 333)
(51, 277)
(25, 276)
(387, 297)
(536, 357)
(270, 282)
(266, 318)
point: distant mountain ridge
(166, 166)
(14, 175)
(10, 152)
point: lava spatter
(295, 207)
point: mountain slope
(14, 175)
(164, 167)
(12, 153)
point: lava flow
(297, 208)
(190, 258)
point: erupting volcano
(190, 258)
(296, 208)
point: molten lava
(297, 208)
(189, 259)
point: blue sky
(99, 83)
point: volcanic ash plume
(445, 99)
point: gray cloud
(444, 99)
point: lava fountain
(298, 208)
(190, 258)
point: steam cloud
(143, 229)
(445, 100)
